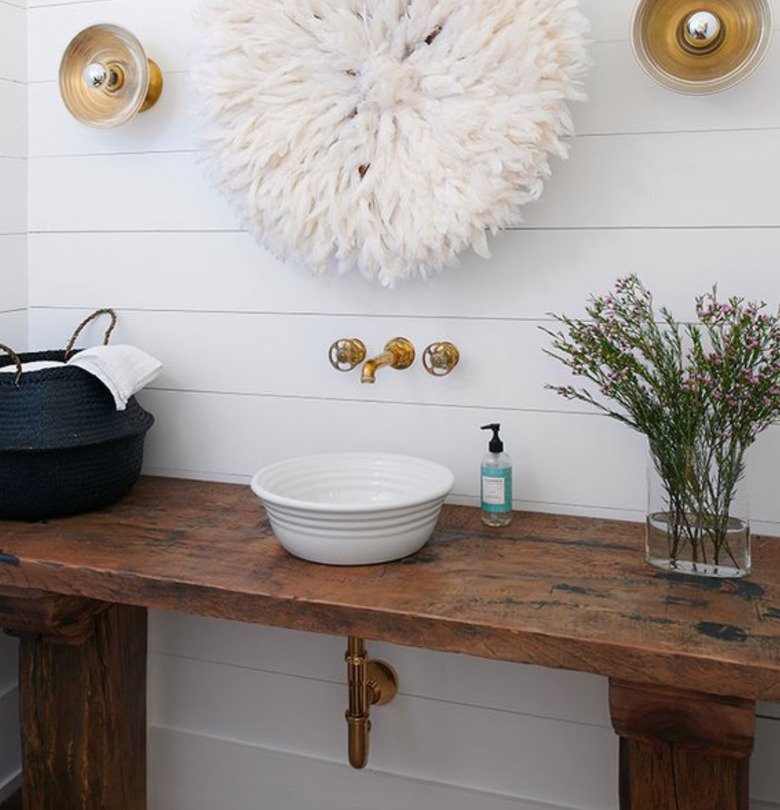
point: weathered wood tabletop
(563, 592)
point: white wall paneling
(452, 743)
(521, 690)
(657, 180)
(13, 202)
(531, 274)
(13, 272)
(203, 772)
(13, 126)
(680, 190)
(13, 58)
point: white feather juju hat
(387, 135)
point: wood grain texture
(716, 726)
(82, 712)
(660, 776)
(561, 592)
(681, 749)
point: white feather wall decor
(384, 135)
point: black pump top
(496, 445)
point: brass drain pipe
(371, 683)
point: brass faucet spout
(368, 375)
(398, 353)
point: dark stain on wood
(742, 588)
(638, 617)
(771, 613)
(8, 559)
(722, 632)
(578, 589)
(685, 601)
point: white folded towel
(33, 365)
(124, 370)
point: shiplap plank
(670, 179)
(13, 55)
(13, 272)
(13, 199)
(622, 99)
(10, 744)
(231, 344)
(615, 74)
(531, 273)
(442, 676)
(13, 329)
(8, 662)
(196, 772)
(147, 191)
(13, 119)
(764, 774)
(566, 463)
(517, 755)
(555, 454)
(54, 131)
(641, 181)
(164, 29)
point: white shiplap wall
(680, 190)
(13, 299)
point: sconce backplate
(675, 46)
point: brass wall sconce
(701, 47)
(371, 683)
(106, 78)
(440, 359)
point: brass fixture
(440, 358)
(371, 683)
(347, 353)
(398, 353)
(701, 47)
(106, 78)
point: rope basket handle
(96, 314)
(17, 362)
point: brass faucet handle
(440, 358)
(347, 353)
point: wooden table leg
(681, 750)
(82, 695)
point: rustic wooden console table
(687, 658)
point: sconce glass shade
(106, 78)
(701, 46)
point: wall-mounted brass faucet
(439, 359)
(371, 683)
(398, 353)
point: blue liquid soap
(496, 482)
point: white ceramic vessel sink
(353, 508)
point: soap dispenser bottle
(496, 482)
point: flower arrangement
(700, 392)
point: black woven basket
(64, 448)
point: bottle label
(497, 491)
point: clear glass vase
(694, 525)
